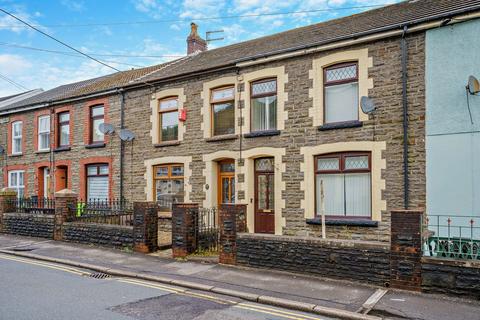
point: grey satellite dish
(2, 149)
(473, 85)
(367, 105)
(106, 128)
(126, 135)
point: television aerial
(106, 128)
(126, 135)
(367, 105)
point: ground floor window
(97, 182)
(346, 181)
(168, 184)
(16, 181)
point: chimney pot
(194, 42)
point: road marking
(277, 310)
(149, 285)
(297, 317)
(46, 265)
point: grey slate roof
(386, 18)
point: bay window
(16, 181)
(346, 180)
(168, 119)
(223, 110)
(43, 133)
(264, 105)
(17, 132)
(63, 129)
(341, 92)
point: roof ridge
(162, 66)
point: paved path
(336, 294)
(39, 290)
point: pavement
(300, 292)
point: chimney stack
(194, 41)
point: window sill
(42, 151)
(95, 145)
(16, 154)
(167, 144)
(341, 125)
(343, 222)
(266, 133)
(222, 137)
(60, 149)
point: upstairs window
(223, 110)
(346, 184)
(341, 92)
(63, 129)
(43, 133)
(168, 119)
(17, 137)
(97, 117)
(264, 105)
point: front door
(226, 182)
(264, 195)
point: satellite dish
(126, 135)
(367, 105)
(106, 128)
(473, 85)
(2, 149)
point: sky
(122, 32)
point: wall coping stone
(22, 215)
(66, 193)
(452, 262)
(97, 225)
(359, 244)
(8, 192)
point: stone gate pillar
(232, 220)
(7, 203)
(145, 227)
(406, 249)
(65, 208)
(183, 229)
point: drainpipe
(122, 143)
(405, 118)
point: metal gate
(206, 230)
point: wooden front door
(264, 195)
(226, 182)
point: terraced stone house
(269, 123)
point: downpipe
(405, 118)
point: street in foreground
(40, 290)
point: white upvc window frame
(18, 137)
(18, 186)
(42, 132)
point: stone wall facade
(30, 225)
(349, 260)
(298, 132)
(99, 234)
(453, 277)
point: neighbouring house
(266, 123)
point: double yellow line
(174, 290)
(245, 306)
(45, 264)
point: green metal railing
(451, 236)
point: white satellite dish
(473, 85)
(126, 135)
(106, 128)
(367, 105)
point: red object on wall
(182, 115)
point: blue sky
(162, 33)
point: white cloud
(151, 7)
(195, 9)
(13, 64)
(74, 5)
(11, 24)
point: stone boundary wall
(453, 277)
(342, 259)
(98, 234)
(31, 225)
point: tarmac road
(32, 289)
